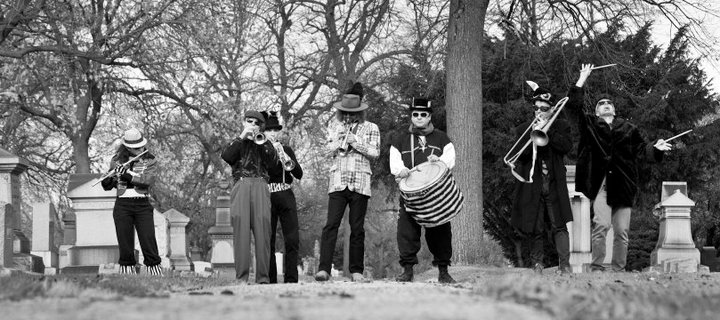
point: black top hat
(421, 104)
(273, 122)
(351, 100)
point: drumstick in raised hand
(605, 66)
(678, 135)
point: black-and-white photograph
(359, 159)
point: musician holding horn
(282, 199)
(132, 174)
(353, 143)
(607, 170)
(250, 156)
(421, 143)
(541, 202)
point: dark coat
(611, 151)
(526, 196)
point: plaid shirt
(353, 170)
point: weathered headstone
(95, 240)
(43, 236)
(6, 235)
(579, 228)
(675, 250)
(221, 234)
(11, 166)
(179, 258)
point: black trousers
(284, 209)
(546, 220)
(337, 203)
(130, 215)
(439, 240)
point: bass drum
(431, 195)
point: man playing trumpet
(541, 202)
(250, 156)
(282, 199)
(353, 142)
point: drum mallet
(678, 135)
(605, 66)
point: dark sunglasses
(421, 114)
(603, 102)
(252, 121)
(542, 108)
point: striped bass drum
(430, 194)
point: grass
(609, 295)
(102, 287)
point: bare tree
(464, 117)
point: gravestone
(11, 166)
(94, 242)
(578, 229)
(179, 256)
(162, 236)
(6, 235)
(675, 250)
(43, 236)
(222, 255)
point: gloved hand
(662, 145)
(120, 170)
(433, 158)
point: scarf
(421, 131)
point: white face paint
(420, 119)
(604, 108)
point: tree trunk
(464, 118)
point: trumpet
(259, 137)
(538, 137)
(287, 162)
(344, 145)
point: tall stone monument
(221, 235)
(43, 236)
(675, 250)
(11, 167)
(179, 255)
(579, 228)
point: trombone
(538, 137)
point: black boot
(444, 276)
(407, 275)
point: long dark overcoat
(526, 196)
(608, 151)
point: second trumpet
(287, 162)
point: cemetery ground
(481, 293)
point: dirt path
(308, 300)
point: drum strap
(412, 150)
